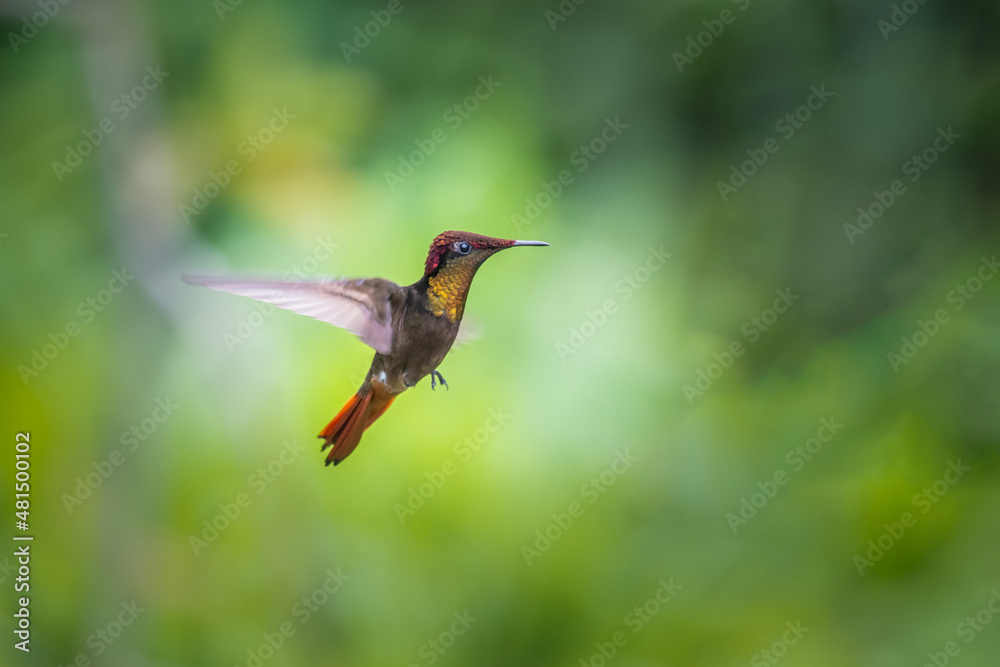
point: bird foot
(439, 377)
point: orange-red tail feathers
(344, 431)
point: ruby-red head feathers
(444, 241)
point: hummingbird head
(452, 262)
(461, 251)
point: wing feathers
(360, 306)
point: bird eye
(463, 248)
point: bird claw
(439, 377)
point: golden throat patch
(447, 291)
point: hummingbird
(411, 328)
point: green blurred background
(588, 356)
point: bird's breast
(447, 292)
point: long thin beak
(530, 243)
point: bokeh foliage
(321, 182)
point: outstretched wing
(360, 306)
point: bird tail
(360, 411)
